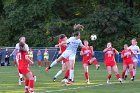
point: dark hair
(76, 33)
(21, 47)
(62, 36)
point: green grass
(9, 81)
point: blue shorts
(14, 57)
(39, 57)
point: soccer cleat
(27, 92)
(132, 79)
(54, 79)
(125, 77)
(97, 67)
(31, 91)
(108, 81)
(120, 80)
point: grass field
(44, 84)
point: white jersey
(73, 43)
(135, 49)
(26, 47)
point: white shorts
(135, 60)
(68, 54)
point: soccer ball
(93, 37)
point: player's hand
(56, 46)
(31, 63)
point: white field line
(61, 90)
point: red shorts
(128, 63)
(86, 62)
(112, 64)
(65, 60)
(24, 71)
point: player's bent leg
(55, 62)
(109, 70)
(115, 69)
(95, 62)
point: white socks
(58, 73)
(126, 72)
(134, 71)
(53, 63)
(72, 75)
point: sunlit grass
(9, 81)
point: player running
(23, 67)
(87, 53)
(65, 62)
(110, 63)
(72, 45)
(127, 61)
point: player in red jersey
(87, 54)
(127, 61)
(23, 67)
(65, 63)
(110, 63)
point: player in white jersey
(135, 49)
(22, 39)
(70, 52)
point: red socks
(123, 74)
(86, 76)
(95, 62)
(118, 76)
(109, 76)
(67, 74)
(45, 63)
(27, 85)
(15, 62)
(31, 84)
(131, 74)
(39, 63)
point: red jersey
(87, 56)
(62, 47)
(128, 56)
(109, 56)
(23, 63)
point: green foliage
(41, 21)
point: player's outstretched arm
(30, 61)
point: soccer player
(110, 63)
(135, 49)
(46, 58)
(23, 67)
(7, 56)
(65, 62)
(127, 61)
(87, 54)
(31, 54)
(21, 39)
(39, 57)
(72, 45)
